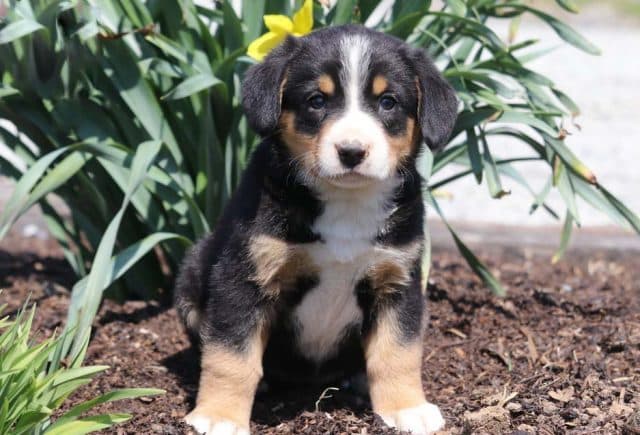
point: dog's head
(351, 105)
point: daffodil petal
(260, 47)
(278, 23)
(303, 19)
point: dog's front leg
(394, 362)
(228, 382)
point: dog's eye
(387, 102)
(317, 101)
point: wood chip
(564, 396)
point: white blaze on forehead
(355, 60)
(355, 124)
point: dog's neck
(352, 218)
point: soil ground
(559, 354)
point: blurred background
(606, 135)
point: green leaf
(76, 373)
(597, 200)
(474, 262)
(478, 266)
(192, 85)
(493, 178)
(232, 28)
(468, 119)
(565, 186)
(366, 8)
(474, 154)
(123, 70)
(342, 12)
(514, 117)
(568, 5)
(569, 158)
(565, 32)
(457, 7)
(252, 17)
(7, 91)
(567, 102)
(567, 228)
(127, 258)
(88, 424)
(18, 29)
(20, 195)
(82, 311)
(425, 164)
(425, 262)
(76, 411)
(447, 156)
(630, 216)
(403, 27)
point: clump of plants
(35, 382)
(128, 111)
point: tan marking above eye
(326, 84)
(380, 84)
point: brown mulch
(560, 354)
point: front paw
(210, 425)
(423, 419)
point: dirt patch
(559, 355)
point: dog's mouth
(350, 180)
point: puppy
(313, 271)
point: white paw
(211, 426)
(424, 419)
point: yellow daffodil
(279, 27)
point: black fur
(261, 88)
(439, 105)
(303, 62)
(215, 279)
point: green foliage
(34, 384)
(129, 112)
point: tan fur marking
(299, 144)
(402, 146)
(326, 84)
(303, 147)
(393, 368)
(229, 379)
(394, 267)
(282, 85)
(419, 94)
(380, 85)
(387, 276)
(278, 264)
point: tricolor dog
(313, 272)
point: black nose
(351, 154)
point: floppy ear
(262, 88)
(437, 101)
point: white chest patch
(348, 227)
